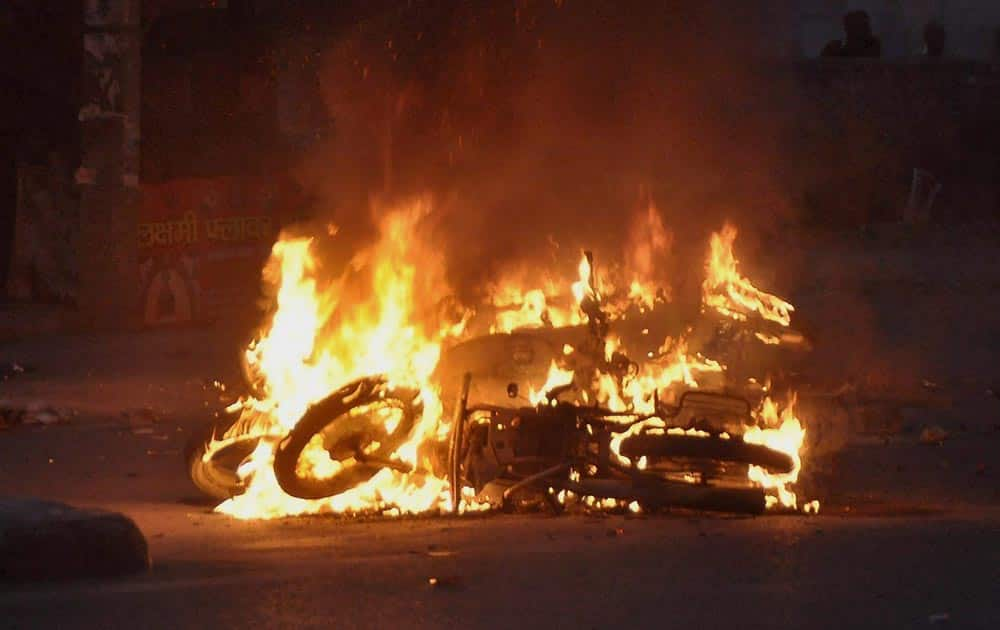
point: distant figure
(934, 39)
(859, 40)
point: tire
(216, 477)
(330, 416)
(733, 450)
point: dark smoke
(535, 123)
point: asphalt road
(910, 536)
(532, 571)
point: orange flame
(782, 431)
(314, 344)
(731, 294)
(557, 377)
(518, 306)
(649, 243)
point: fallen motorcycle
(512, 455)
(691, 454)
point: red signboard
(202, 243)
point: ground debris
(35, 412)
(445, 582)
(141, 417)
(143, 421)
(8, 418)
(933, 435)
(437, 552)
(12, 369)
(152, 452)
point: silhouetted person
(859, 40)
(934, 39)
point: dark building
(149, 144)
(146, 149)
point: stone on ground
(45, 540)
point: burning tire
(359, 428)
(216, 474)
(714, 449)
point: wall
(216, 154)
(862, 126)
(38, 105)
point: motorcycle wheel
(351, 425)
(216, 475)
(693, 447)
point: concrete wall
(971, 25)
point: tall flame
(782, 431)
(649, 243)
(731, 294)
(316, 342)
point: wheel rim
(349, 440)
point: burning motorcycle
(682, 456)
(506, 450)
(677, 429)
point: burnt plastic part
(733, 450)
(654, 494)
(323, 414)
